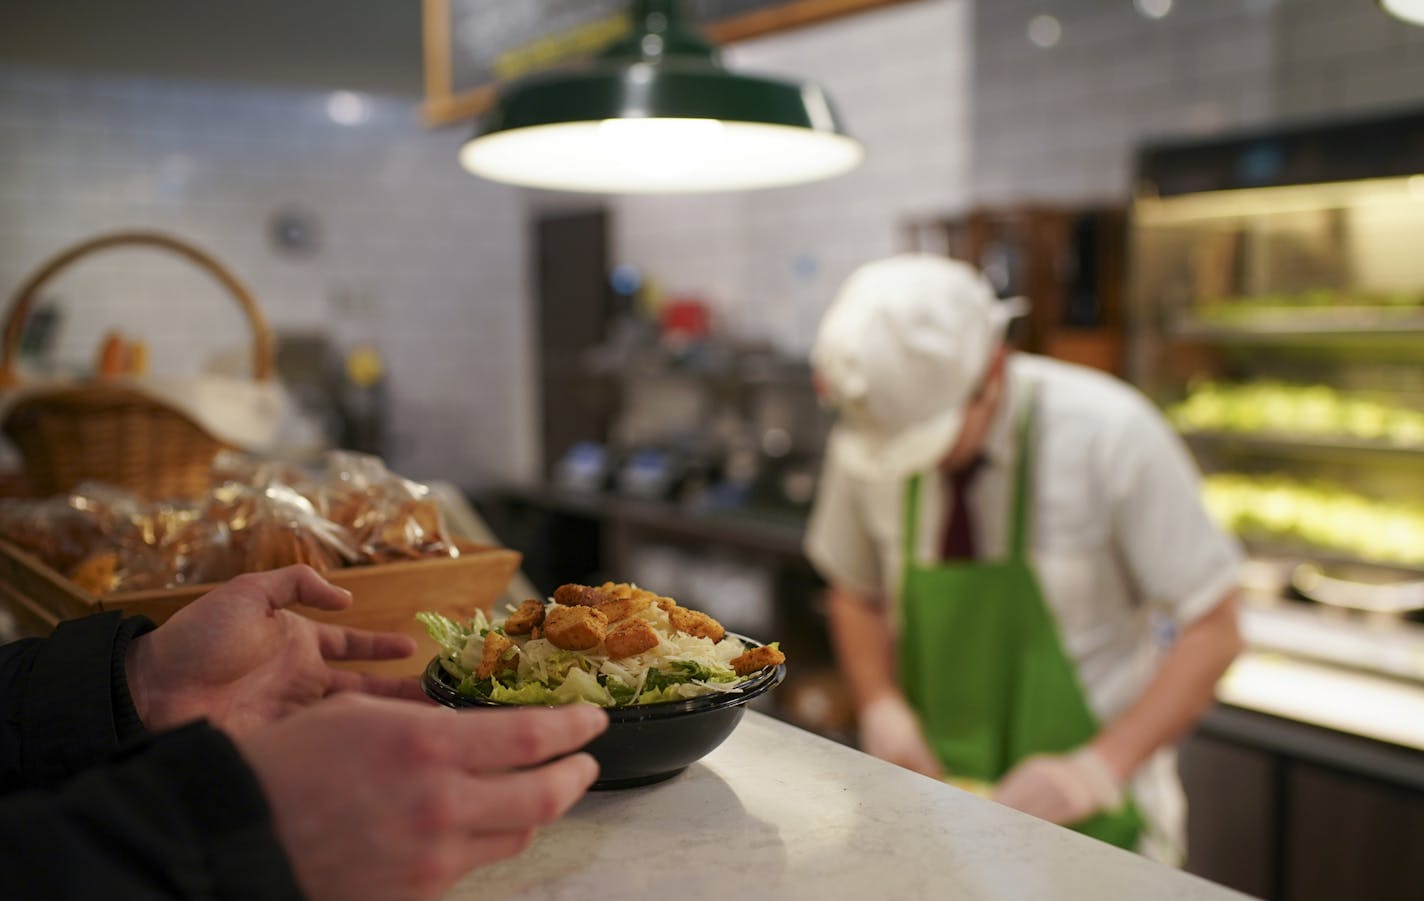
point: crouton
(756, 659)
(523, 620)
(632, 636)
(573, 595)
(492, 660)
(624, 607)
(616, 589)
(695, 623)
(575, 628)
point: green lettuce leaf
(580, 685)
(450, 635)
(471, 687)
(525, 693)
(680, 671)
(622, 694)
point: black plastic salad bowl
(646, 743)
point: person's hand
(890, 730)
(381, 799)
(1063, 789)
(239, 658)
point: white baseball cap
(899, 354)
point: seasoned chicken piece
(523, 620)
(696, 623)
(492, 660)
(665, 603)
(575, 628)
(757, 658)
(573, 595)
(632, 636)
(624, 607)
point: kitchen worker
(1025, 590)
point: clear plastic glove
(890, 730)
(1063, 789)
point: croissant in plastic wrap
(282, 527)
(258, 515)
(392, 518)
(51, 530)
(146, 545)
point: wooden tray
(387, 596)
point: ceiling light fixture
(658, 113)
(1045, 31)
(1153, 9)
(348, 108)
(1411, 11)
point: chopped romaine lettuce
(620, 691)
(581, 685)
(525, 693)
(450, 635)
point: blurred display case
(1276, 312)
(1067, 261)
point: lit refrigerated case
(1276, 312)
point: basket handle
(24, 298)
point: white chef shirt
(1123, 548)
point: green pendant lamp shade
(657, 113)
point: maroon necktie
(957, 539)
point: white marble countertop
(780, 813)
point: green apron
(980, 659)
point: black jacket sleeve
(173, 816)
(93, 806)
(64, 702)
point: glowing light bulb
(660, 148)
(1153, 9)
(1408, 10)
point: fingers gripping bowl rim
(644, 743)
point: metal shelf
(1265, 548)
(1296, 444)
(774, 531)
(1301, 325)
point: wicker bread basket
(108, 431)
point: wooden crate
(386, 596)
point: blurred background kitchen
(1220, 200)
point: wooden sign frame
(445, 106)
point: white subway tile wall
(955, 106)
(769, 261)
(414, 253)
(1061, 123)
(1346, 57)
(958, 108)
